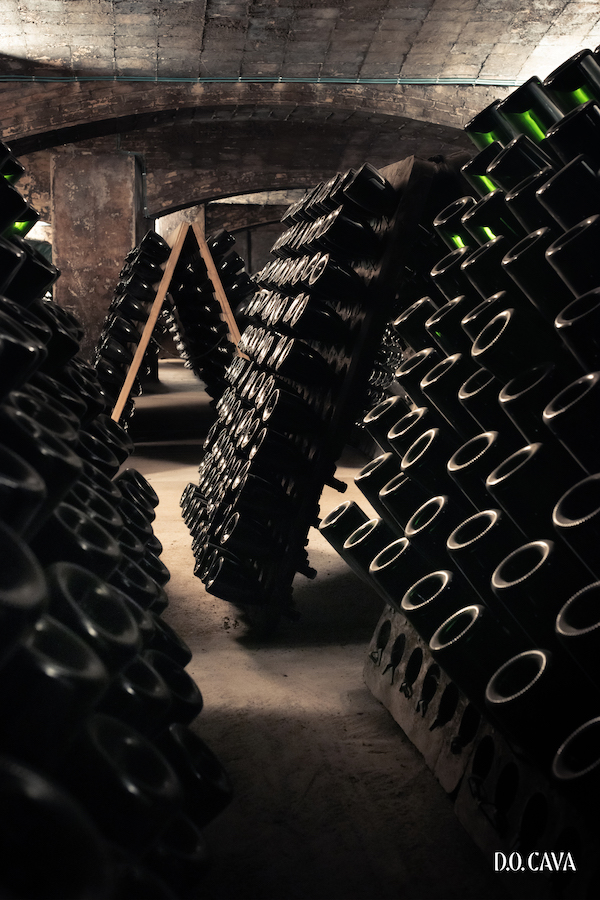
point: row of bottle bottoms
(360, 193)
(202, 336)
(497, 606)
(25, 274)
(92, 679)
(539, 108)
(265, 447)
(127, 315)
(528, 183)
(251, 484)
(96, 747)
(90, 673)
(522, 258)
(514, 348)
(93, 690)
(192, 313)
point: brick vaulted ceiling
(227, 96)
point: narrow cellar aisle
(332, 802)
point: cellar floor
(332, 802)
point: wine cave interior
(300, 581)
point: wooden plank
(153, 315)
(201, 219)
(234, 331)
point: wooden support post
(234, 331)
(161, 292)
(153, 315)
(201, 220)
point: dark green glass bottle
(444, 326)
(447, 274)
(406, 429)
(448, 223)
(364, 544)
(470, 465)
(395, 569)
(483, 270)
(578, 326)
(374, 476)
(524, 694)
(576, 519)
(523, 203)
(528, 484)
(488, 127)
(338, 525)
(479, 396)
(412, 370)
(489, 218)
(432, 599)
(574, 256)
(478, 545)
(572, 416)
(23, 224)
(530, 110)
(383, 417)
(534, 582)
(505, 346)
(10, 167)
(575, 81)
(470, 646)
(519, 159)
(410, 325)
(528, 267)
(440, 387)
(524, 398)
(475, 171)
(12, 205)
(578, 628)
(425, 462)
(572, 194)
(578, 132)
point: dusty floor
(332, 802)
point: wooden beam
(150, 325)
(161, 292)
(234, 331)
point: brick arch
(194, 155)
(196, 162)
(38, 115)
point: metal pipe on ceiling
(259, 79)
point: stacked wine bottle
(104, 787)
(194, 316)
(487, 508)
(128, 313)
(292, 395)
(190, 312)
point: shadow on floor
(333, 807)
(336, 609)
(172, 416)
(331, 801)
(182, 452)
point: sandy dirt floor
(332, 802)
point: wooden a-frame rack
(195, 231)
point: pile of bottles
(486, 491)
(194, 315)
(127, 316)
(279, 430)
(104, 786)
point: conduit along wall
(485, 544)
(102, 782)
